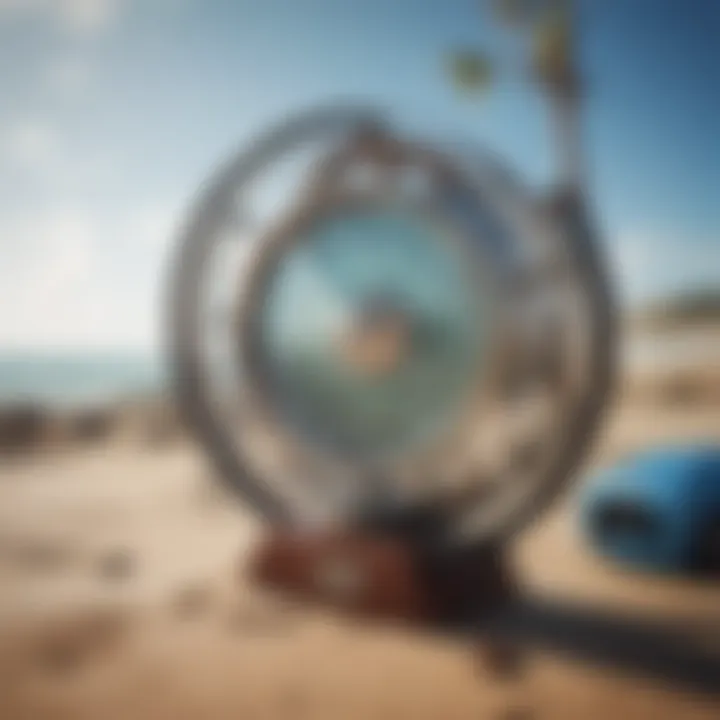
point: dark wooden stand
(395, 568)
(399, 570)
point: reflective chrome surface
(361, 318)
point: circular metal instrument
(363, 320)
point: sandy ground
(121, 597)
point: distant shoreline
(74, 380)
(681, 347)
(60, 382)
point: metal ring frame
(577, 407)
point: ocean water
(78, 379)
(71, 380)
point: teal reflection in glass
(390, 282)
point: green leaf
(553, 49)
(470, 70)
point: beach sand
(121, 596)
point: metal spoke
(526, 389)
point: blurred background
(112, 534)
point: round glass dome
(372, 330)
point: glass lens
(372, 330)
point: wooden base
(384, 576)
(401, 577)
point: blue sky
(113, 111)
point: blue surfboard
(657, 510)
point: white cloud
(153, 225)
(77, 16)
(31, 145)
(68, 75)
(87, 15)
(42, 281)
(61, 285)
(40, 154)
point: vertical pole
(568, 140)
(563, 86)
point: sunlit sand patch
(117, 565)
(63, 644)
(37, 555)
(193, 600)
